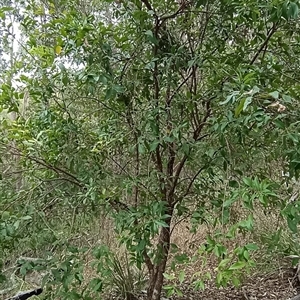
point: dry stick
(208, 17)
(157, 159)
(195, 136)
(178, 222)
(155, 276)
(177, 174)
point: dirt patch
(281, 285)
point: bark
(156, 276)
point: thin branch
(196, 175)
(205, 118)
(171, 16)
(140, 183)
(177, 174)
(103, 104)
(180, 86)
(179, 221)
(57, 170)
(147, 4)
(264, 44)
(202, 137)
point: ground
(273, 278)
(280, 285)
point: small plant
(119, 274)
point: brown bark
(156, 276)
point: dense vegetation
(142, 116)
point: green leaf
(238, 265)
(58, 49)
(223, 263)
(279, 124)
(236, 282)
(201, 3)
(161, 223)
(2, 278)
(239, 108)
(219, 278)
(199, 285)
(230, 97)
(287, 98)
(251, 247)
(248, 100)
(247, 224)
(246, 255)
(233, 183)
(181, 276)
(181, 258)
(153, 146)
(229, 202)
(248, 181)
(151, 37)
(141, 148)
(186, 148)
(65, 80)
(141, 246)
(110, 93)
(274, 94)
(169, 277)
(292, 223)
(96, 284)
(293, 11)
(6, 8)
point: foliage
(149, 111)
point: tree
(163, 102)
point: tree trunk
(156, 277)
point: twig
(57, 170)
(264, 44)
(179, 10)
(180, 86)
(147, 4)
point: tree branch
(176, 176)
(264, 44)
(205, 118)
(147, 4)
(180, 86)
(179, 10)
(57, 170)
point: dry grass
(273, 279)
